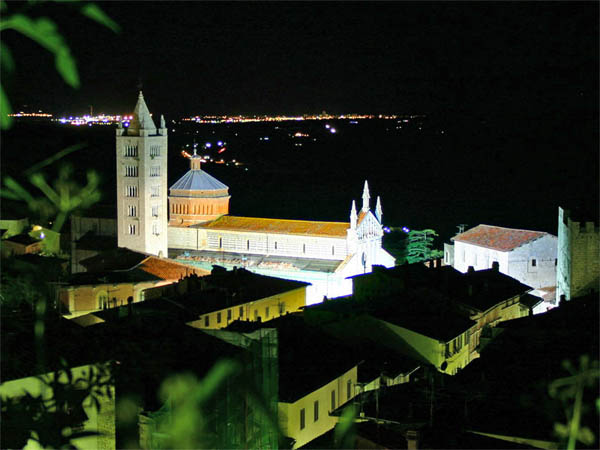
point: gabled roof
(282, 226)
(23, 239)
(498, 238)
(198, 180)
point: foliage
(570, 392)
(345, 431)
(60, 199)
(44, 31)
(51, 416)
(419, 246)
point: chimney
(496, 266)
(471, 269)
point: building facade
(195, 227)
(578, 268)
(528, 256)
(142, 214)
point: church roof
(282, 226)
(498, 238)
(198, 180)
(142, 120)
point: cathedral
(192, 223)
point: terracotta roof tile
(169, 270)
(498, 238)
(259, 225)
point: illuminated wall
(578, 268)
(89, 298)
(102, 421)
(264, 309)
(533, 263)
(302, 412)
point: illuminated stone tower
(142, 183)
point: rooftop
(23, 239)
(498, 238)
(199, 180)
(209, 258)
(281, 226)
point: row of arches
(177, 208)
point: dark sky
(196, 57)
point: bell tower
(142, 183)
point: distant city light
(406, 229)
(386, 229)
(327, 126)
(332, 130)
(208, 145)
(42, 235)
(220, 143)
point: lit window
(131, 229)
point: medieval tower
(142, 183)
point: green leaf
(5, 110)
(93, 11)
(6, 60)
(586, 436)
(66, 66)
(44, 32)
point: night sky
(269, 58)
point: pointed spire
(353, 216)
(142, 120)
(162, 122)
(378, 210)
(366, 197)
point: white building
(528, 256)
(142, 183)
(201, 232)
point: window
(228, 315)
(533, 262)
(155, 150)
(316, 410)
(446, 257)
(281, 308)
(155, 211)
(131, 229)
(463, 256)
(349, 389)
(131, 171)
(302, 419)
(275, 245)
(220, 242)
(132, 211)
(267, 312)
(155, 171)
(131, 150)
(555, 261)
(131, 191)
(218, 317)
(155, 191)
(241, 312)
(333, 400)
(333, 250)
(155, 228)
(206, 321)
(248, 244)
(303, 248)
(256, 314)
